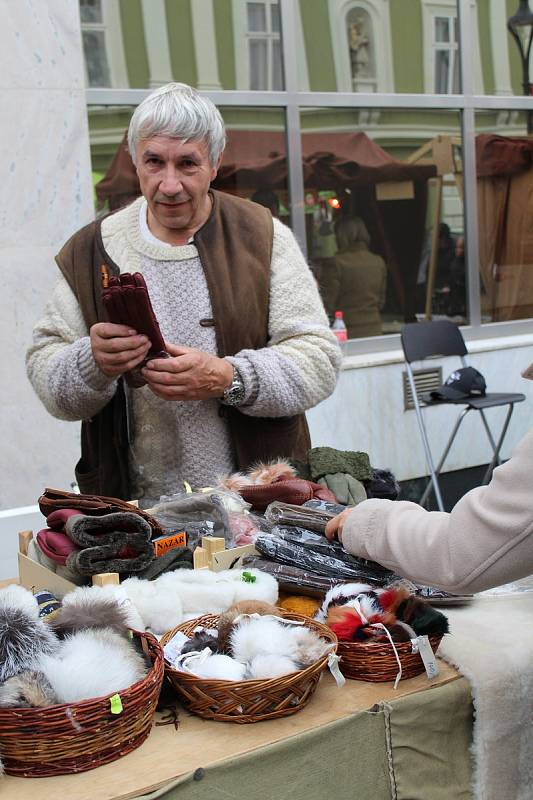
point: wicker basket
(376, 662)
(64, 739)
(251, 700)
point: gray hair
(349, 231)
(180, 112)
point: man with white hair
(248, 339)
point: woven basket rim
(325, 632)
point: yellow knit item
(300, 604)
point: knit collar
(157, 252)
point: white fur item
(217, 667)
(84, 596)
(270, 666)
(268, 636)
(92, 663)
(15, 596)
(177, 596)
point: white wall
(45, 196)
(366, 410)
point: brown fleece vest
(235, 248)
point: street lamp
(520, 26)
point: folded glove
(55, 545)
(90, 531)
(127, 302)
(91, 504)
(293, 490)
(348, 490)
(119, 552)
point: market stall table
(363, 740)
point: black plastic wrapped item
(293, 580)
(325, 506)
(301, 549)
(312, 519)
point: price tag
(421, 645)
(173, 648)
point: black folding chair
(422, 340)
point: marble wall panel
(37, 450)
(41, 45)
(46, 194)
(46, 184)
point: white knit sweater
(176, 441)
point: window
(445, 45)
(103, 46)
(94, 46)
(264, 45)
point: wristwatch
(234, 394)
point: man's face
(174, 176)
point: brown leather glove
(92, 505)
(127, 302)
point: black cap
(464, 382)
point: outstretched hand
(335, 526)
(188, 374)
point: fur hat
(23, 636)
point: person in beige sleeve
(485, 541)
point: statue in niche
(359, 42)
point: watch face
(234, 395)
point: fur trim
(30, 689)
(90, 596)
(264, 473)
(226, 620)
(269, 666)
(184, 594)
(93, 663)
(87, 609)
(266, 636)
(234, 482)
(22, 640)
(15, 596)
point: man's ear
(214, 170)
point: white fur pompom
(87, 596)
(15, 596)
(270, 666)
(93, 663)
(262, 636)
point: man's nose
(171, 182)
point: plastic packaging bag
(312, 519)
(301, 548)
(293, 580)
(196, 513)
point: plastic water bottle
(339, 328)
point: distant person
(458, 280)
(268, 199)
(355, 281)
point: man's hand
(334, 526)
(117, 348)
(188, 374)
